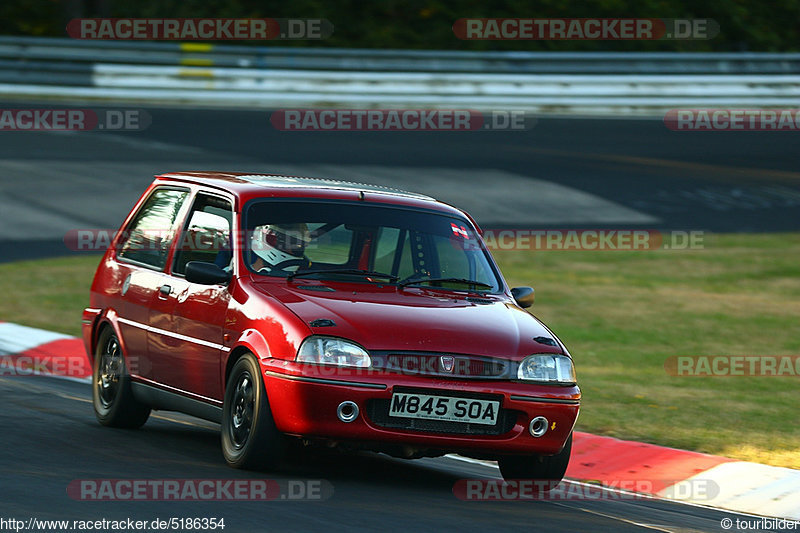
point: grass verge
(623, 313)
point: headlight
(332, 351)
(548, 368)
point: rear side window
(149, 236)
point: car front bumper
(304, 401)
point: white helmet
(276, 243)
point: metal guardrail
(259, 76)
(200, 54)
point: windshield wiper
(464, 281)
(348, 271)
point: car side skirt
(165, 400)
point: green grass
(621, 314)
(48, 294)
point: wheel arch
(107, 319)
(251, 341)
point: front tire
(547, 469)
(112, 397)
(250, 439)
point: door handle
(165, 290)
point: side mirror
(524, 296)
(206, 273)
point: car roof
(236, 181)
(248, 186)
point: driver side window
(207, 234)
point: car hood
(384, 318)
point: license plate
(468, 410)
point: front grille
(431, 364)
(378, 414)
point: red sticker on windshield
(460, 231)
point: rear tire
(547, 469)
(112, 397)
(250, 439)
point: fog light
(538, 426)
(348, 411)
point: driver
(280, 247)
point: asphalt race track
(50, 438)
(562, 173)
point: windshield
(366, 243)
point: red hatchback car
(323, 311)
